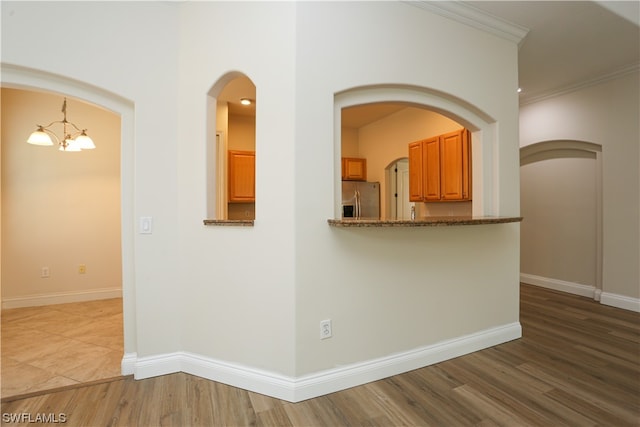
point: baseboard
(128, 363)
(606, 298)
(620, 301)
(61, 298)
(559, 285)
(157, 365)
(309, 386)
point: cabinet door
(415, 172)
(451, 163)
(431, 165)
(242, 181)
(354, 169)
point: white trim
(256, 380)
(620, 301)
(606, 298)
(317, 384)
(155, 366)
(559, 285)
(128, 363)
(476, 18)
(616, 74)
(61, 298)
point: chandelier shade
(84, 142)
(73, 138)
(40, 137)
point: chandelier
(74, 138)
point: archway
(25, 78)
(574, 170)
(482, 126)
(231, 117)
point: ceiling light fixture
(245, 101)
(74, 138)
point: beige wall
(350, 143)
(607, 115)
(242, 132)
(59, 210)
(559, 231)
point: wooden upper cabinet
(415, 172)
(431, 165)
(452, 167)
(242, 176)
(439, 168)
(354, 169)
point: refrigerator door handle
(355, 203)
(356, 208)
(359, 207)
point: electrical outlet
(82, 269)
(44, 272)
(325, 329)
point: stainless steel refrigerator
(361, 199)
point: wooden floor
(577, 364)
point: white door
(398, 190)
(403, 204)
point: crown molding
(620, 72)
(466, 14)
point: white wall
(60, 209)
(605, 114)
(238, 285)
(253, 296)
(137, 63)
(387, 289)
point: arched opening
(231, 153)
(448, 112)
(561, 201)
(21, 78)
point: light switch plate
(146, 225)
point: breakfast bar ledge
(434, 221)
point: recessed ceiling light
(245, 101)
(519, 89)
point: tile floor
(59, 345)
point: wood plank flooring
(578, 364)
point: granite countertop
(229, 222)
(433, 221)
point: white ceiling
(568, 44)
